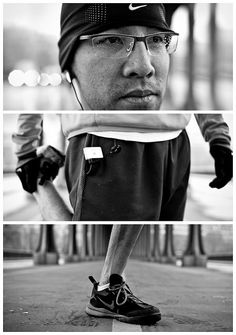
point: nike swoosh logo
(110, 306)
(131, 7)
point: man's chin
(144, 103)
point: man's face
(136, 82)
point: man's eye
(157, 39)
(109, 40)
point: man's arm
(27, 139)
(216, 131)
(28, 134)
(34, 170)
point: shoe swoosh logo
(110, 306)
(131, 7)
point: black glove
(44, 167)
(48, 170)
(50, 162)
(27, 170)
(223, 165)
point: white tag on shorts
(93, 152)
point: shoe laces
(123, 290)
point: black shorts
(143, 181)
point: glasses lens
(161, 42)
(171, 43)
(112, 46)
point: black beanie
(90, 18)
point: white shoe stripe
(118, 326)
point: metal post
(194, 254)
(93, 238)
(97, 240)
(46, 252)
(85, 241)
(90, 242)
(156, 243)
(72, 255)
(168, 255)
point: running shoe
(118, 302)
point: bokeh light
(16, 78)
(55, 79)
(31, 78)
(44, 79)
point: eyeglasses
(120, 45)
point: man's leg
(112, 297)
(121, 244)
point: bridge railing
(94, 239)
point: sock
(102, 287)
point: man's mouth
(140, 96)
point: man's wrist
(220, 142)
(217, 149)
(23, 159)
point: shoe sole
(142, 320)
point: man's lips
(139, 94)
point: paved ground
(53, 298)
(203, 204)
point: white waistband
(139, 137)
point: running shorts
(138, 181)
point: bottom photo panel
(118, 277)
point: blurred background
(203, 203)
(201, 70)
(22, 240)
(183, 245)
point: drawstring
(116, 148)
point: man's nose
(139, 62)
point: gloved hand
(51, 160)
(27, 170)
(44, 167)
(223, 165)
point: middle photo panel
(118, 167)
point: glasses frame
(135, 39)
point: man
(119, 166)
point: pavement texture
(53, 298)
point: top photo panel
(117, 56)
